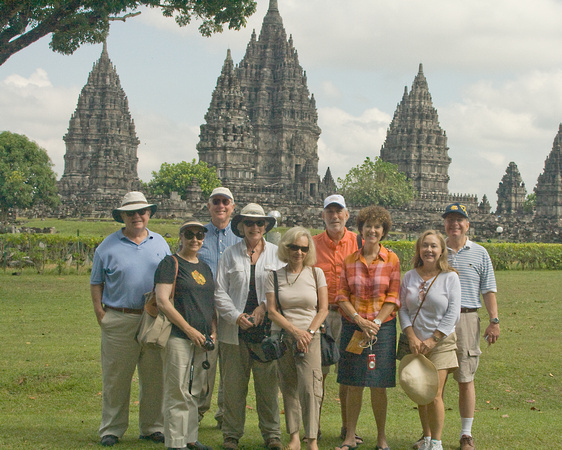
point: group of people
(227, 288)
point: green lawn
(50, 377)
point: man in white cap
(332, 247)
(122, 271)
(217, 239)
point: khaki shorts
(334, 322)
(444, 354)
(468, 347)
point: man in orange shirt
(332, 246)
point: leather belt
(333, 307)
(469, 310)
(124, 310)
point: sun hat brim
(251, 211)
(419, 378)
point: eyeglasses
(189, 235)
(141, 212)
(250, 223)
(295, 247)
(421, 294)
(224, 201)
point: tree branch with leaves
(75, 22)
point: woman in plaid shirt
(368, 296)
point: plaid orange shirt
(367, 288)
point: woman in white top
(431, 327)
(303, 300)
(240, 302)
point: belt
(124, 310)
(333, 307)
(469, 310)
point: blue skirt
(353, 369)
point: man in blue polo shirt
(122, 271)
(476, 274)
(217, 239)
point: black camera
(209, 345)
(273, 347)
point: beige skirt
(444, 354)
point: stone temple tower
(416, 142)
(549, 184)
(511, 191)
(282, 113)
(227, 139)
(100, 164)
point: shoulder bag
(403, 348)
(328, 345)
(154, 327)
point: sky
(494, 70)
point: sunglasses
(249, 223)
(141, 212)
(224, 201)
(189, 235)
(295, 248)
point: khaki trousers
(120, 355)
(236, 367)
(181, 416)
(301, 385)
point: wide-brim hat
(133, 201)
(419, 378)
(251, 211)
(193, 223)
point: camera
(209, 345)
(273, 347)
(297, 352)
(251, 319)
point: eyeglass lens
(200, 235)
(259, 223)
(224, 201)
(296, 247)
(141, 212)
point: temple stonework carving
(549, 184)
(511, 191)
(100, 164)
(261, 128)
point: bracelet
(435, 338)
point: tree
(76, 22)
(530, 203)
(179, 177)
(376, 183)
(26, 175)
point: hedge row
(41, 250)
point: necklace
(253, 250)
(287, 276)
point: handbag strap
(423, 299)
(175, 278)
(276, 288)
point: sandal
(358, 439)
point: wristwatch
(435, 338)
(311, 331)
(495, 320)
(378, 322)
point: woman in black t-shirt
(193, 333)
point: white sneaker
(436, 446)
(426, 444)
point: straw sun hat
(419, 378)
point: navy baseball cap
(458, 208)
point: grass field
(50, 376)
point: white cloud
(34, 107)
(346, 139)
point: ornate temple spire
(415, 141)
(227, 139)
(549, 184)
(281, 110)
(101, 143)
(511, 191)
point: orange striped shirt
(367, 288)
